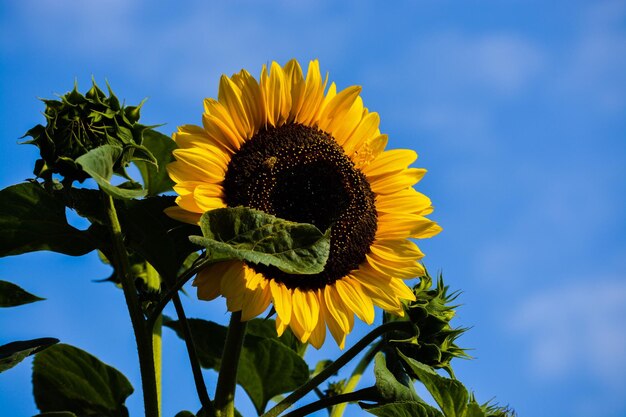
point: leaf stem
(368, 394)
(227, 379)
(338, 364)
(203, 395)
(337, 411)
(143, 334)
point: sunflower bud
(79, 123)
(434, 344)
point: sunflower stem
(337, 410)
(338, 364)
(227, 379)
(143, 334)
(367, 394)
(203, 395)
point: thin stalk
(157, 349)
(157, 343)
(198, 378)
(338, 410)
(227, 379)
(143, 336)
(367, 394)
(336, 365)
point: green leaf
(450, 394)
(402, 409)
(31, 219)
(57, 414)
(387, 384)
(99, 164)
(267, 367)
(13, 353)
(155, 177)
(161, 240)
(12, 295)
(185, 413)
(66, 378)
(267, 328)
(260, 238)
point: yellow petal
(389, 162)
(396, 182)
(229, 95)
(406, 201)
(282, 300)
(183, 215)
(352, 295)
(208, 284)
(305, 311)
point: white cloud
(576, 328)
(593, 70)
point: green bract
(79, 123)
(431, 313)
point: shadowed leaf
(12, 295)
(13, 353)
(267, 366)
(31, 219)
(66, 378)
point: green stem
(143, 336)
(227, 379)
(157, 343)
(338, 410)
(367, 394)
(338, 364)
(203, 395)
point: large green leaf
(387, 384)
(398, 400)
(31, 219)
(404, 409)
(99, 163)
(267, 366)
(451, 396)
(260, 238)
(66, 378)
(155, 177)
(13, 353)
(12, 295)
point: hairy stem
(227, 379)
(203, 395)
(143, 336)
(338, 410)
(367, 394)
(338, 364)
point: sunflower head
(431, 313)
(78, 123)
(295, 147)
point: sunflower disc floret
(295, 147)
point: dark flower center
(300, 173)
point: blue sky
(516, 108)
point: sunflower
(292, 147)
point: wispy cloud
(575, 329)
